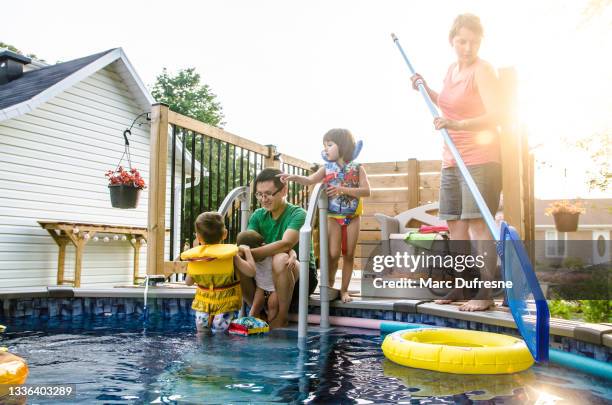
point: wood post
(61, 260)
(158, 158)
(529, 197)
(136, 245)
(511, 155)
(414, 197)
(78, 261)
(272, 160)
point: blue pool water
(114, 361)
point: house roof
(598, 212)
(37, 86)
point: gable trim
(129, 75)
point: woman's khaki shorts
(456, 201)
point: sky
(285, 72)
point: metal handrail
(318, 201)
(239, 193)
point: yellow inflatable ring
(13, 369)
(457, 351)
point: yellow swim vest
(212, 268)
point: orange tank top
(459, 100)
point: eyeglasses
(267, 195)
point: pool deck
(598, 334)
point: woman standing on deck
(471, 114)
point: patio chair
(396, 227)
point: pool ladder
(317, 203)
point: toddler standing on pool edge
(212, 267)
(346, 184)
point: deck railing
(198, 165)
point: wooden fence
(396, 187)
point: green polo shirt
(272, 229)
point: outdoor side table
(74, 232)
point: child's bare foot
(455, 295)
(477, 305)
(345, 297)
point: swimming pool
(114, 360)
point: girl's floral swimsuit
(343, 208)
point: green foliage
(599, 148)
(223, 166)
(185, 94)
(561, 308)
(593, 283)
(596, 310)
(588, 310)
(16, 50)
(573, 263)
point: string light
(75, 230)
(106, 239)
(95, 239)
(86, 236)
(116, 237)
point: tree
(185, 94)
(597, 145)
(16, 50)
(599, 148)
(223, 165)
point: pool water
(115, 361)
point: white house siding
(52, 166)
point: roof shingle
(36, 81)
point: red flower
(128, 178)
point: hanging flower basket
(123, 196)
(566, 215)
(125, 187)
(565, 222)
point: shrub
(596, 310)
(573, 263)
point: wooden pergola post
(158, 158)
